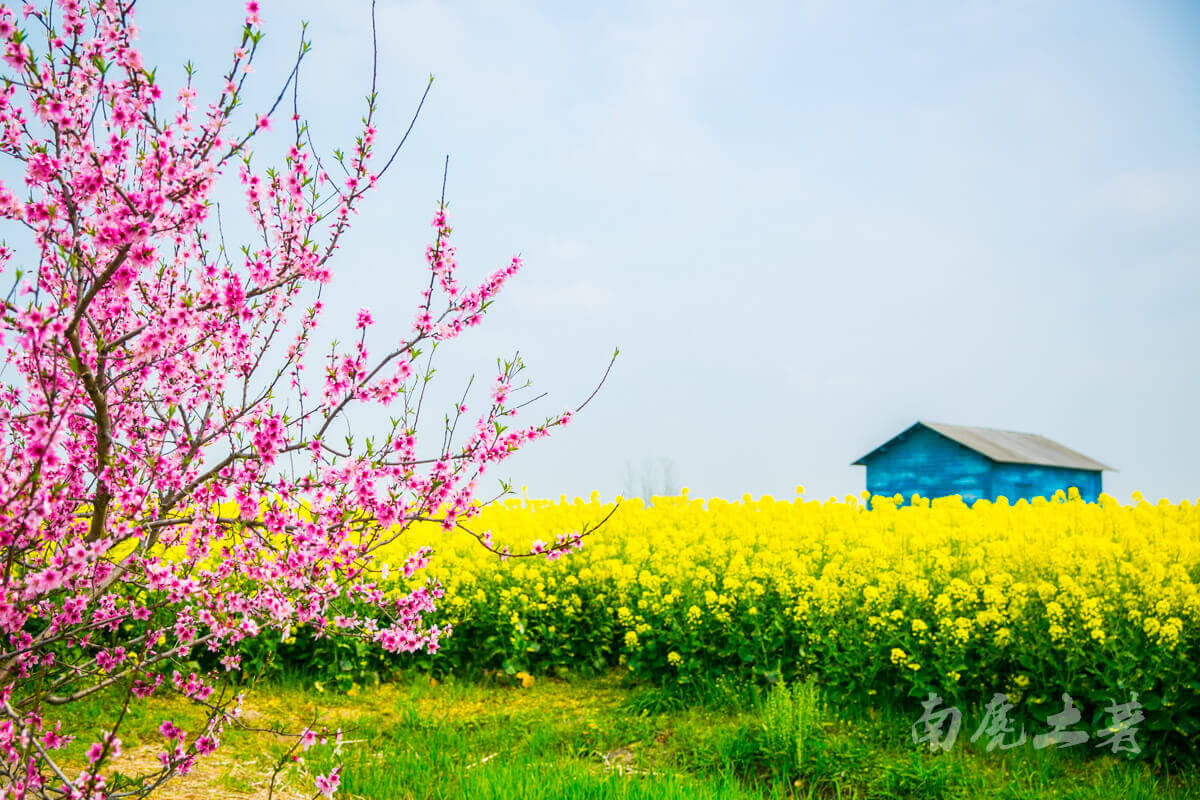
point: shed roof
(1009, 447)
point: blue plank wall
(929, 464)
(1016, 481)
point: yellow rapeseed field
(1098, 600)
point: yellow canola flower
(923, 584)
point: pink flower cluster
(172, 475)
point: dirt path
(219, 776)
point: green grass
(595, 739)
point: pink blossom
(169, 731)
(328, 784)
(177, 468)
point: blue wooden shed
(932, 459)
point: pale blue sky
(806, 225)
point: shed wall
(927, 463)
(1016, 481)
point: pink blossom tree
(169, 483)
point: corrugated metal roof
(1011, 447)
